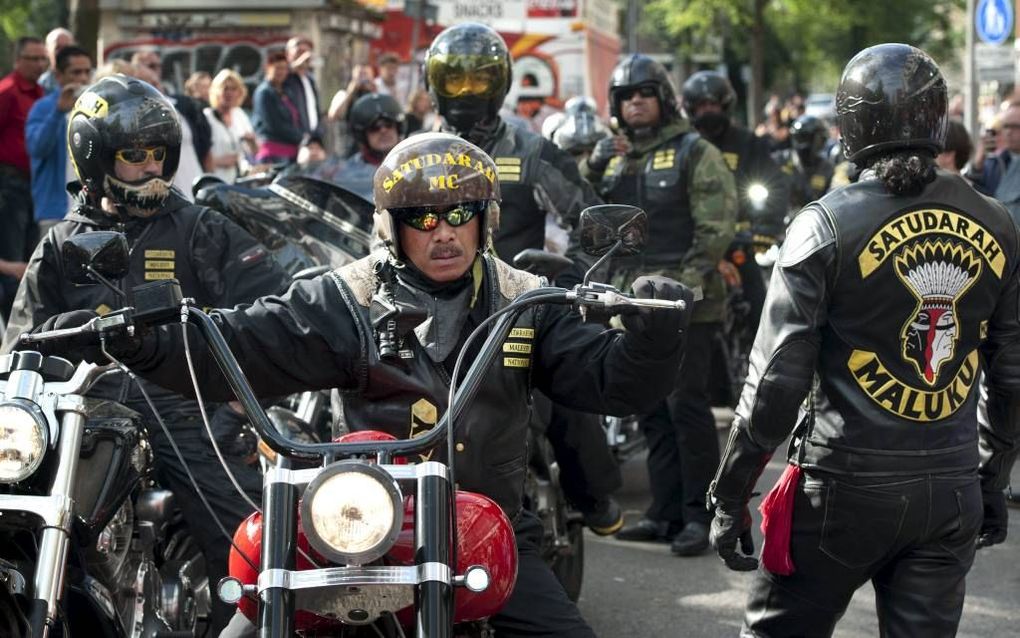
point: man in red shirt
(18, 91)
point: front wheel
(12, 620)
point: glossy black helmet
(369, 109)
(891, 96)
(808, 133)
(120, 113)
(468, 72)
(707, 86)
(639, 70)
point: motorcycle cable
(212, 439)
(177, 452)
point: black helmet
(368, 109)
(891, 96)
(707, 86)
(434, 170)
(640, 70)
(808, 134)
(468, 73)
(119, 113)
(581, 128)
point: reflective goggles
(455, 76)
(137, 156)
(426, 218)
(645, 90)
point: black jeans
(683, 446)
(588, 471)
(229, 506)
(18, 232)
(912, 537)
(538, 605)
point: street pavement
(640, 589)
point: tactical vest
(656, 182)
(915, 284)
(521, 221)
(406, 398)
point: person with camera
(894, 300)
(684, 184)
(46, 137)
(432, 262)
(124, 138)
(996, 173)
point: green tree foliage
(20, 18)
(807, 42)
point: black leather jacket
(216, 262)
(895, 305)
(317, 336)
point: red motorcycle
(354, 538)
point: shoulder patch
(513, 282)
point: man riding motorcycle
(805, 162)
(889, 299)
(124, 140)
(468, 72)
(437, 198)
(708, 99)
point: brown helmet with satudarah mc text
(434, 172)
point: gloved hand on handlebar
(84, 347)
(653, 326)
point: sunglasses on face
(643, 91)
(381, 124)
(136, 156)
(427, 218)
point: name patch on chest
(664, 159)
(160, 264)
(508, 169)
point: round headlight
(23, 437)
(757, 193)
(352, 512)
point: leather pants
(913, 537)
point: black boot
(645, 530)
(691, 541)
(605, 519)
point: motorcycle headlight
(352, 512)
(757, 194)
(23, 439)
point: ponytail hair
(906, 172)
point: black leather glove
(996, 522)
(605, 150)
(83, 347)
(651, 325)
(730, 526)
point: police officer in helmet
(434, 264)
(805, 162)
(682, 181)
(890, 297)
(708, 99)
(124, 139)
(468, 72)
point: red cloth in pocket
(776, 522)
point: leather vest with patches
(916, 282)
(521, 221)
(406, 398)
(656, 182)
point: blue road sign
(993, 20)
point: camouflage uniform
(689, 193)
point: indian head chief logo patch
(937, 255)
(937, 274)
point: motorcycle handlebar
(597, 295)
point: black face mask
(464, 114)
(712, 125)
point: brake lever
(97, 325)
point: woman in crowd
(197, 86)
(233, 137)
(420, 115)
(276, 119)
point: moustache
(445, 252)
